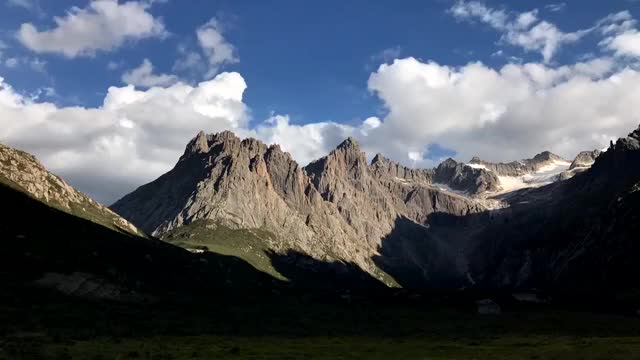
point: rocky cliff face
(585, 159)
(385, 168)
(336, 208)
(24, 172)
(462, 177)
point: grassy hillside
(249, 245)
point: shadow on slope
(302, 272)
(428, 256)
(577, 235)
(581, 235)
(176, 188)
(306, 273)
(37, 239)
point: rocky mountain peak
(198, 144)
(346, 160)
(276, 148)
(546, 156)
(224, 142)
(631, 142)
(461, 177)
(585, 159)
(384, 168)
(350, 144)
(614, 163)
(379, 159)
(448, 163)
(225, 135)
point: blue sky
(499, 79)
(308, 59)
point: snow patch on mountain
(548, 173)
(477, 166)
(545, 175)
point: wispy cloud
(524, 29)
(213, 53)
(557, 7)
(621, 35)
(144, 76)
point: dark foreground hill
(49, 248)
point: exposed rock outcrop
(385, 168)
(23, 171)
(461, 177)
(585, 159)
(88, 286)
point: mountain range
(536, 223)
(240, 213)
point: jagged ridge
(383, 217)
(338, 207)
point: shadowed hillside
(42, 243)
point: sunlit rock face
(438, 227)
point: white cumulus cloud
(102, 26)
(627, 43)
(500, 114)
(305, 142)
(506, 113)
(129, 140)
